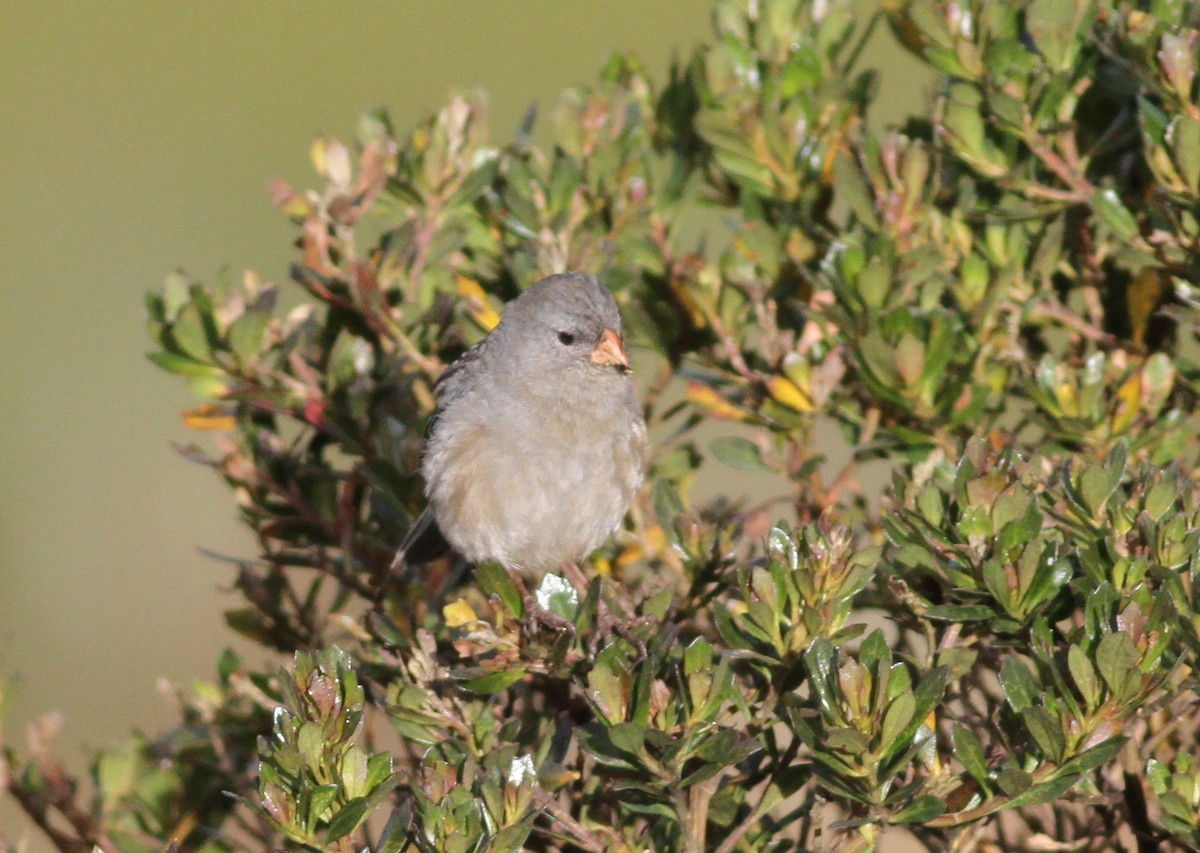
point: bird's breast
(532, 492)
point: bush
(996, 303)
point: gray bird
(538, 444)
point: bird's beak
(611, 351)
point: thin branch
(580, 834)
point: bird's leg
(574, 574)
(608, 624)
(535, 615)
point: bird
(537, 445)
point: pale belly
(534, 504)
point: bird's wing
(454, 382)
(424, 540)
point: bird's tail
(423, 543)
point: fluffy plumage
(538, 444)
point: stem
(860, 45)
(581, 836)
(1056, 311)
(57, 795)
(692, 806)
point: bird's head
(565, 325)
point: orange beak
(611, 351)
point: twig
(582, 836)
(58, 795)
(692, 806)
(1056, 311)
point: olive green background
(136, 138)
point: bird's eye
(566, 338)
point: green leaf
(1159, 774)
(927, 694)
(495, 580)
(394, 836)
(1092, 758)
(667, 504)
(1058, 28)
(190, 334)
(821, 662)
(1013, 781)
(379, 768)
(976, 520)
(246, 335)
(115, 773)
(1109, 209)
(609, 687)
(495, 682)
(1161, 498)
(899, 714)
(311, 743)
(599, 742)
(958, 660)
(1096, 486)
(960, 612)
(1046, 792)
(844, 739)
(1084, 676)
(1050, 573)
(349, 358)
(320, 798)
(852, 190)
(969, 752)
(181, 365)
(920, 810)
(1046, 730)
(929, 503)
(782, 546)
(175, 295)
(726, 748)
(1181, 810)
(1185, 143)
(898, 679)
(874, 650)
(737, 452)
(697, 657)
(354, 771)
(1153, 120)
(347, 819)
(1018, 683)
(628, 737)
(512, 838)
(929, 691)
(1117, 660)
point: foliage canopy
(998, 301)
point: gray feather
(535, 451)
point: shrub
(995, 304)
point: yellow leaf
(1142, 298)
(289, 201)
(316, 153)
(931, 722)
(1128, 404)
(478, 306)
(209, 417)
(459, 613)
(789, 394)
(699, 394)
(687, 301)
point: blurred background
(138, 138)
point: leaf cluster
(995, 304)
